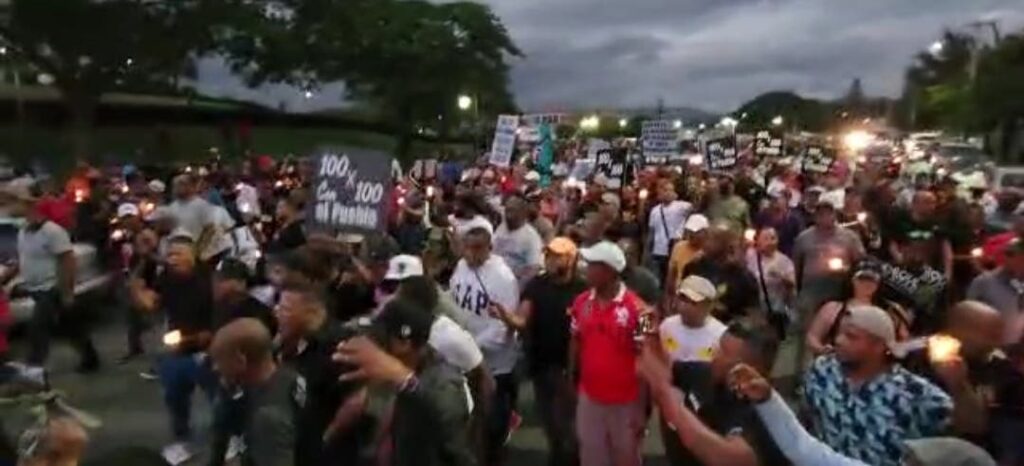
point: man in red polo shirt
(609, 413)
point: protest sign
(611, 164)
(660, 141)
(596, 145)
(818, 159)
(546, 155)
(504, 140)
(720, 153)
(919, 291)
(352, 191)
(768, 143)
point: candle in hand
(942, 348)
(172, 338)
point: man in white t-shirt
(518, 242)
(691, 335)
(690, 338)
(193, 214)
(484, 286)
(665, 223)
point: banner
(660, 141)
(504, 140)
(768, 143)
(720, 153)
(818, 159)
(352, 191)
(611, 163)
(546, 155)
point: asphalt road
(133, 415)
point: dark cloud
(713, 54)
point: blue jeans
(180, 374)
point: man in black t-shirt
(544, 320)
(184, 292)
(922, 216)
(712, 424)
(307, 337)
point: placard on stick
(351, 191)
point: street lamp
(728, 122)
(590, 123)
(777, 121)
(936, 48)
(623, 122)
(677, 124)
(465, 102)
(308, 94)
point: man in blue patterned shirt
(863, 404)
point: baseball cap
(610, 198)
(697, 288)
(157, 186)
(696, 223)
(606, 253)
(937, 451)
(232, 269)
(532, 176)
(403, 320)
(867, 270)
(562, 246)
(404, 266)
(127, 210)
(875, 321)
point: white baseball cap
(404, 266)
(127, 210)
(532, 176)
(157, 186)
(697, 288)
(696, 222)
(606, 253)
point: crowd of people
(899, 302)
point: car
(92, 282)
(957, 158)
(1009, 178)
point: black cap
(380, 249)
(401, 319)
(866, 269)
(232, 269)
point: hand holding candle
(172, 338)
(942, 348)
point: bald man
(987, 389)
(242, 352)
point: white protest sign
(595, 145)
(660, 140)
(504, 140)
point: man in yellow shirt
(684, 252)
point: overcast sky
(710, 54)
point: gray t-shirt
(522, 250)
(191, 215)
(38, 251)
(814, 249)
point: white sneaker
(235, 448)
(177, 453)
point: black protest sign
(768, 143)
(917, 290)
(351, 192)
(720, 153)
(818, 159)
(611, 164)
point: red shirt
(57, 210)
(994, 247)
(607, 352)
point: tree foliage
(92, 47)
(411, 58)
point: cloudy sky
(710, 54)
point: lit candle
(643, 194)
(836, 264)
(942, 347)
(749, 234)
(172, 338)
(79, 195)
(862, 217)
(977, 253)
(117, 234)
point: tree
(411, 58)
(796, 111)
(88, 48)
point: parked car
(92, 282)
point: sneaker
(514, 422)
(177, 453)
(235, 448)
(149, 374)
